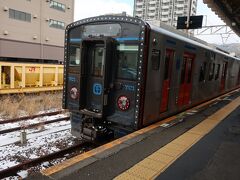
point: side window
(189, 71)
(183, 71)
(211, 71)
(224, 70)
(202, 71)
(127, 61)
(156, 55)
(217, 71)
(166, 66)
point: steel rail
(30, 117)
(34, 125)
(11, 171)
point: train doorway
(95, 72)
(185, 89)
(169, 56)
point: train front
(103, 75)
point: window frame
(202, 72)
(155, 60)
(57, 5)
(56, 24)
(211, 71)
(118, 61)
(19, 15)
(217, 72)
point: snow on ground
(32, 121)
(14, 137)
(41, 141)
(13, 154)
(22, 113)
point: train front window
(101, 30)
(127, 61)
(74, 55)
(96, 54)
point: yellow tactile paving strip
(160, 160)
(70, 162)
(76, 159)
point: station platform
(202, 143)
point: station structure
(202, 143)
(228, 11)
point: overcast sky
(90, 8)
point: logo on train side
(97, 89)
(72, 79)
(128, 87)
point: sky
(90, 8)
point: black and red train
(122, 74)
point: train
(122, 74)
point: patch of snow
(23, 174)
(164, 125)
(46, 164)
(10, 138)
(13, 154)
(33, 156)
(32, 121)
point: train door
(169, 56)
(223, 77)
(186, 79)
(96, 77)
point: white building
(166, 11)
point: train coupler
(96, 133)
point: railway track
(12, 171)
(34, 125)
(30, 117)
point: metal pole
(189, 13)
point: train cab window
(74, 56)
(101, 29)
(211, 71)
(156, 55)
(202, 71)
(217, 72)
(127, 61)
(74, 41)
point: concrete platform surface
(203, 159)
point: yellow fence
(25, 77)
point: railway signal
(195, 22)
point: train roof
(171, 32)
(164, 29)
